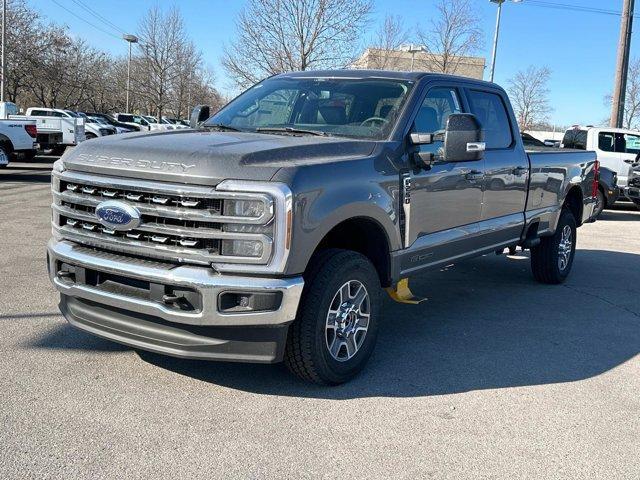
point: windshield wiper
(292, 130)
(222, 126)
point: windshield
(361, 108)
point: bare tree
(632, 98)
(163, 44)
(529, 94)
(454, 34)
(388, 38)
(275, 36)
(47, 66)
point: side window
(575, 138)
(607, 142)
(435, 110)
(627, 143)
(492, 115)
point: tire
(89, 136)
(547, 263)
(601, 203)
(5, 155)
(29, 155)
(333, 354)
(58, 150)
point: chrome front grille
(179, 223)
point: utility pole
(622, 66)
(4, 40)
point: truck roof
(389, 74)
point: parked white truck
(616, 148)
(16, 136)
(70, 124)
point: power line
(85, 20)
(98, 16)
(566, 6)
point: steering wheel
(373, 120)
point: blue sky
(578, 47)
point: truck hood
(207, 157)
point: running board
(402, 293)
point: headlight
(58, 166)
(257, 228)
(242, 248)
(243, 208)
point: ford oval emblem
(118, 215)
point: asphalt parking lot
(495, 376)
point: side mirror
(463, 138)
(198, 115)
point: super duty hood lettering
(137, 163)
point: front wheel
(335, 331)
(551, 261)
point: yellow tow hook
(402, 293)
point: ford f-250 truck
(267, 233)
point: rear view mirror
(463, 138)
(199, 114)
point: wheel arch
(364, 235)
(6, 142)
(573, 201)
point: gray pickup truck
(270, 231)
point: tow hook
(401, 293)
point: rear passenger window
(575, 138)
(607, 142)
(492, 114)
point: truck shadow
(487, 325)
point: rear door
(628, 147)
(605, 146)
(506, 167)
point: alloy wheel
(347, 320)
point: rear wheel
(89, 136)
(551, 261)
(29, 155)
(58, 150)
(600, 204)
(335, 331)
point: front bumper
(122, 303)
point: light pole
(130, 39)
(497, 33)
(412, 49)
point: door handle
(476, 147)
(474, 175)
(520, 171)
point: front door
(446, 200)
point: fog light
(237, 302)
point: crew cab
(616, 148)
(270, 231)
